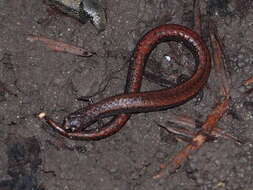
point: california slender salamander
(76, 125)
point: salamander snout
(72, 123)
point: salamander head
(73, 123)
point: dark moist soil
(39, 79)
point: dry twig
(197, 141)
(248, 81)
(218, 61)
(61, 46)
(197, 17)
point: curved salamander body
(76, 125)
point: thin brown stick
(197, 17)
(215, 116)
(197, 141)
(178, 131)
(217, 58)
(61, 46)
(248, 81)
(183, 120)
(217, 132)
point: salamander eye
(71, 124)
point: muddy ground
(39, 79)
